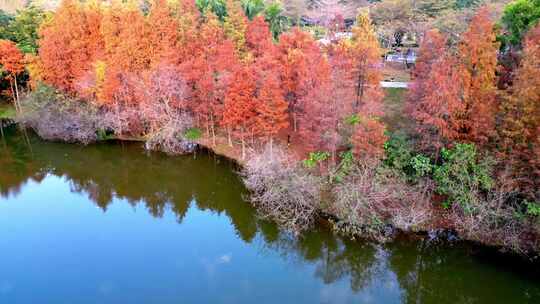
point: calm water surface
(111, 223)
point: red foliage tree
(258, 37)
(303, 68)
(210, 74)
(239, 107)
(324, 109)
(271, 109)
(317, 124)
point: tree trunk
(243, 145)
(229, 136)
(212, 127)
(271, 148)
(118, 120)
(14, 98)
(17, 91)
(359, 89)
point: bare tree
(371, 197)
(282, 190)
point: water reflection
(346, 271)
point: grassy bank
(7, 111)
(394, 108)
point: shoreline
(428, 232)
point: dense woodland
(305, 118)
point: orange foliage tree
(128, 38)
(478, 55)
(438, 110)
(432, 48)
(520, 128)
(366, 56)
(164, 34)
(368, 139)
(12, 63)
(230, 71)
(300, 58)
(68, 45)
(235, 26)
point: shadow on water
(399, 272)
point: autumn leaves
(12, 62)
(455, 98)
(237, 81)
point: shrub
(192, 134)
(421, 165)
(315, 158)
(344, 167)
(398, 152)
(497, 219)
(462, 176)
(533, 209)
(169, 135)
(282, 190)
(400, 156)
(55, 116)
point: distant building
(408, 57)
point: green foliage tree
(518, 17)
(252, 8)
(273, 14)
(24, 28)
(5, 20)
(218, 7)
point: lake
(112, 223)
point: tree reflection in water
(407, 272)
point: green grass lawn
(394, 109)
